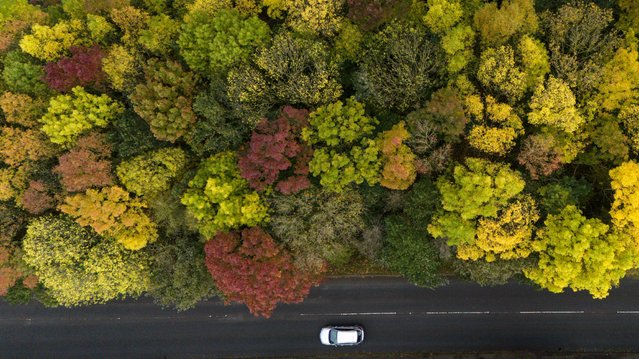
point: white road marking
(345, 314)
(628, 312)
(554, 312)
(455, 313)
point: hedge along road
(397, 316)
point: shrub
(164, 100)
(220, 198)
(275, 154)
(251, 268)
(112, 212)
(149, 174)
(70, 116)
(78, 267)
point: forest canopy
(246, 149)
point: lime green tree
(211, 43)
(221, 199)
(69, 116)
(580, 253)
(79, 267)
(343, 152)
(50, 43)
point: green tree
(581, 254)
(79, 267)
(500, 75)
(221, 199)
(400, 66)
(69, 116)
(164, 100)
(21, 74)
(211, 43)
(344, 153)
(149, 174)
(300, 70)
(318, 226)
(178, 276)
(534, 60)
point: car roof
(347, 336)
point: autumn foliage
(276, 154)
(86, 165)
(82, 68)
(249, 267)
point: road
(396, 315)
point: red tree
(251, 268)
(86, 165)
(83, 68)
(276, 154)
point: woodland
(247, 149)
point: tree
(211, 43)
(318, 226)
(69, 116)
(82, 68)
(580, 42)
(50, 43)
(342, 151)
(534, 60)
(160, 34)
(16, 17)
(567, 191)
(86, 165)
(36, 199)
(21, 74)
(112, 212)
(275, 154)
(371, 14)
(178, 275)
(22, 109)
(321, 17)
(554, 105)
(121, 66)
(496, 130)
(18, 146)
(251, 268)
(131, 22)
(398, 171)
(497, 25)
(629, 116)
(400, 66)
(619, 85)
(152, 173)
(580, 253)
(220, 198)
(458, 44)
(299, 70)
(442, 15)
(164, 100)
(625, 208)
(409, 251)
(79, 267)
(500, 75)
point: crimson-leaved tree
(249, 267)
(275, 154)
(82, 68)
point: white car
(342, 335)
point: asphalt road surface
(396, 316)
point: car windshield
(333, 336)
